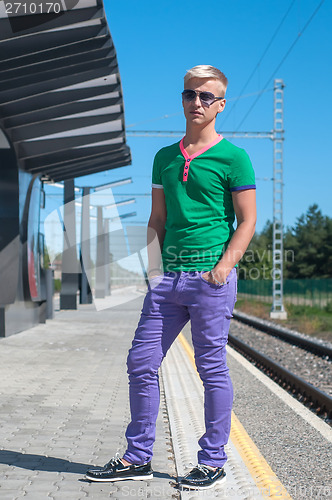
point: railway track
(309, 395)
(311, 345)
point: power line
(181, 112)
(282, 61)
(103, 195)
(260, 60)
(154, 119)
(181, 133)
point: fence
(311, 292)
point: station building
(61, 117)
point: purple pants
(173, 300)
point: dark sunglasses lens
(207, 97)
(188, 95)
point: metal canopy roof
(61, 103)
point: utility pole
(277, 310)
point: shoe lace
(116, 460)
(205, 469)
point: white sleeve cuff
(158, 186)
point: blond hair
(205, 71)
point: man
(198, 187)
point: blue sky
(156, 42)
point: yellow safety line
(267, 482)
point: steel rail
(311, 345)
(319, 399)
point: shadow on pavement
(41, 462)
(52, 464)
(163, 475)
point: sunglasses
(206, 98)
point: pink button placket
(188, 159)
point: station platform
(64, 407)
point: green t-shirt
(198, 193)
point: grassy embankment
(310, 320)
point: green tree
(311, 241)
(257, 261)
(307, 249)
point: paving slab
(65, 407)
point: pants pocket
(216, 286)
